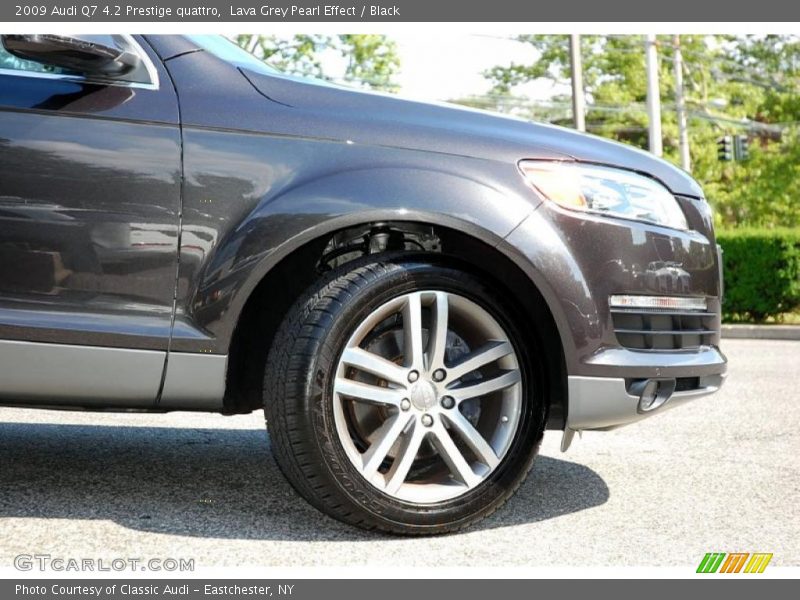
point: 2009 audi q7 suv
(412, 292)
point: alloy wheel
(428, 396)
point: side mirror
(72, 53)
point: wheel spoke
(437, 339)
(398, 391)
(486, 354)
(372, 363)
(367, 393)
(412, 332)
(385, 437)
(487, 386)
(405, 458)
(473, 438)
(452, 456)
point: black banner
(711, 11)
(321, 589)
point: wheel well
(283, 284)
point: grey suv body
(412, 292)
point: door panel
(89, 212)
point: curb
(761, 332)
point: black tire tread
(297, 341)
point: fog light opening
(653, 393)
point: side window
(12, 63)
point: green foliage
(372, 60)
(763, 191)
(367, 60)
(298, 55)
(762, 272)
(733, 84)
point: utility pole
(680, 106)
(578, 104)
(252, 44)
(653, 96)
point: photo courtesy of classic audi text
(388, 299)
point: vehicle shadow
(213, 483)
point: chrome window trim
(152, 72)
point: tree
(370, 61)
(746, 85)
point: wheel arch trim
(326, 204)
(471, 231)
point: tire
(344, 453)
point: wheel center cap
(423, 395)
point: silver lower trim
(604, 403)
(42, 374)
(638, 363)
(39, 373)
(194, 381)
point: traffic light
(740, 150)
(725, 148)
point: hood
(381, 119)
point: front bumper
(608, 402)
(602, 403)
(610, 353)
(626, 363)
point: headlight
(604, 190)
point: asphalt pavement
(719, 474)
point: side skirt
(42, 374)
(194, 381)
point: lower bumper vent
(664, 330)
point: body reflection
(88, 217)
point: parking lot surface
(720, 474)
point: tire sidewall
(400, 279)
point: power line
(496, 100)
(509, 101)
(715, 58)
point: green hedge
(762, 272)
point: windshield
(223, 48)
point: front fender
(281, 224)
